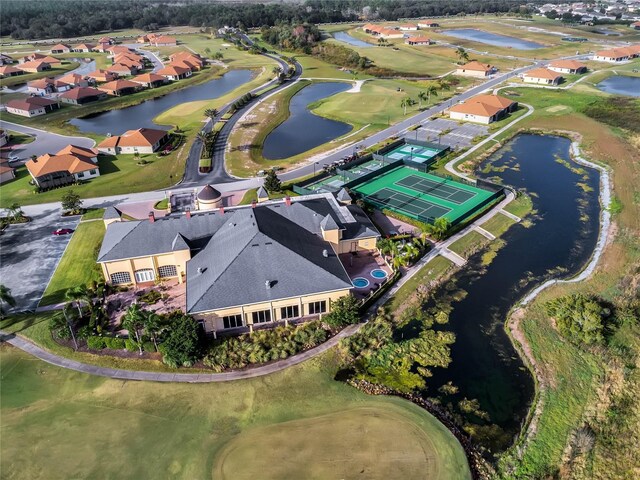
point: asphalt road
(45, 142)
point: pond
(142, 115)
(492, 39)
(304, 130)
(621, 85)
(346, 38)
(485, 365)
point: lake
(142, 115)
(346, 38)
(492, 39)
(562, 238)
(304, 130)
(621, 85)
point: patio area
(172, 297)
(367, 271)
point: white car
(14, 158)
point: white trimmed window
(232, 321)
(317, 307)
(119, 278)
(262, 316)
(145, 275)
(167, 271)
(292, 311)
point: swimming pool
(360, 282)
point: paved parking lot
(460, 135)
(29, 254)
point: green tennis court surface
(414, 153)
(329, 184)
(423, 196)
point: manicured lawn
(78, 264)
(498, 224)
(17, 138)
(324, 428)
(469, 243)
(27, 77)
(93, 214)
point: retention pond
(558, 242)
(142, 115)
(304, 130)
(621, 85)
(351, 40)
(492, 39)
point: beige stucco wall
(346, 246)
(178, 258)
(539, 81)
(24, 113)
(469, 117)
(471, 73)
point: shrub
(96, 343)
(579, 318)
(115, 343)
(148, 347)
(151, 297)
(344, 311)
(131, 345)
(182, 345)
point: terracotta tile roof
(84, 46)
(173, 71)
(30, 103)
(621, 52)
(483, 105)
(148, 78)
(163, 39)
(120, 68)
(33, 64)
(81, 92)
(118, 85)
(542, 73)
(476, 66)
(419, 39)
(61, 46)
(105, 40)
(143, 137)
(4, 168)
(80, 151)
(119, 49)
(494, 100)
(72, 78)
(100, 74)
(184, 64)
(571, 64)
(41, 82)
(59, 163)
(8, 70)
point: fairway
(423, 196)
(299, 423)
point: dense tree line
(71, 18)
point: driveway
(45, 142)
(29, 254)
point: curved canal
(559, 243)
(116, 122)
(304, 130)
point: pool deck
(361, 265)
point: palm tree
(212, 113)
(153, 326)
(202, 136)
(421, 96)
(276, 70)
(404, 103)
(382, 41)
(444, 84)
(6, 298)
(431, 90)
(64, 318)
(133, 321)
(15, 211)
(207, 51)
(462, 54)
(78, 295)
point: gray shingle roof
(111, 212)
(262, 193)
(328, 223)
(343, 195)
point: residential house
(542, 76)
(75, 79)
(273, 261)
(32, 106)
(483, 109)
(38, 56)
(69, 165)
(5, 59)
(162, 40)
(107, 40)
(7, 172)
(143, 140)
(101, 76)
(187, 60)
(635, 25)
(82, 95)
(34, 66)
(102, 48)
(418, 41)
(130, 59)
(174, 73)
(150, 80)
(60, 48)
(9, 71)
(427, 24)
(616, 55)
(119, 87)
(122, 70)
(408, 27)
(568, 66)
(476, 69)
(47, 85)
(83, 47)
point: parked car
(63, 231)
(14, 158)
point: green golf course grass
(300, 423)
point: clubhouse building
(270, 261)
(483, 109)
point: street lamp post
(417, 128)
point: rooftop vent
(325, 253)
(200, 270)
(267, 283)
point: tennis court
(367, 167)
(327, 185)
(423, 196)
(414, 153)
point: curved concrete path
(58, 361)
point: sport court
(413, 153)
(423, 196)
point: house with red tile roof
(101, 75)
(143, 140)
(46, 85)
(102, 47)
(542, 76)
(418, 41)
(38, 56)
(7, 172)
(150, 80)
(408, 27)
(173, 73)
(114, 50)
(9, 71)
(82, 95)
(122, 70)
(483, 109)
(32, 106)
(69, 165)
(475, 69)
(108, 40)
(134, 65)
(119, 87)
(635, 25)
(60, 48)
(75, 79)
(567, 66)
(427, 24)
(616, 55)
(83, 47)
(34, 66)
